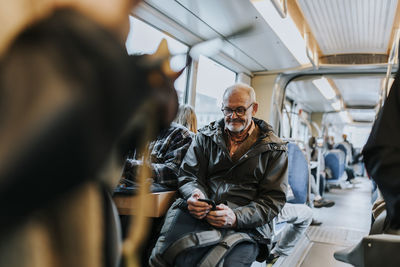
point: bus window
(212, 80)
(144, 39)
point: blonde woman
(187, 117)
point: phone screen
(209, 201)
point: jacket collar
(216, 128)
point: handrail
(316, 128)
(313, 59)
(281, 114)
(391, 61)
(281, 10)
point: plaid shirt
(167, 153)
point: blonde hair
(187, 117)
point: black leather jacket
(253, 187)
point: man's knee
(243, 254)
(296, 213)
(305, 214)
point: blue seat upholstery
(335, 160)
(342, 148)
(298, 174)
(346, 148)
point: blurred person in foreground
(166, 154)
(70, 99)
(382, 155)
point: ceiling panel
(361, 115)
(343, 26)
(307, 94)
(362, 91)
(259, 50)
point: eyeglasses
(240, 111)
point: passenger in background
(319, 201)
(239, 164)
(166, 155)
(167, 151)
(187, 117)
(349, 160)
(345, 140)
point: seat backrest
(346, 148)
(335, 161)
(298, 174)
(342, 147)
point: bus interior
(320, 69)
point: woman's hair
(187, 117)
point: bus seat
(298, 180)
(373, 250)
(158, 203)
(298, 174)
(346, 148)
(342, 148)
(335, 161)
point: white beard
(235, 129)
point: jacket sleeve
(192, 174)
(382, 153)
(271, 195)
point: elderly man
(242, 166)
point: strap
(199, 239)
(222, 249)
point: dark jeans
(243, 254)
(350, 173)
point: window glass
(212, 80)
(357, 135)
(145, 39)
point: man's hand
(198, 209)
(223, 217)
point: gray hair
(242, 87)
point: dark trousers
(350, 173)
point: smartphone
(210, 202)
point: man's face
(238, 100)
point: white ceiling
(361, 91)
(350, 26)
(259, 50)
(339, 26)
(356, 91)
(361, 115)
(308, 95)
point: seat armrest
(157, 204)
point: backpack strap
(219, 252)
(200, 239)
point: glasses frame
(231, 111)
